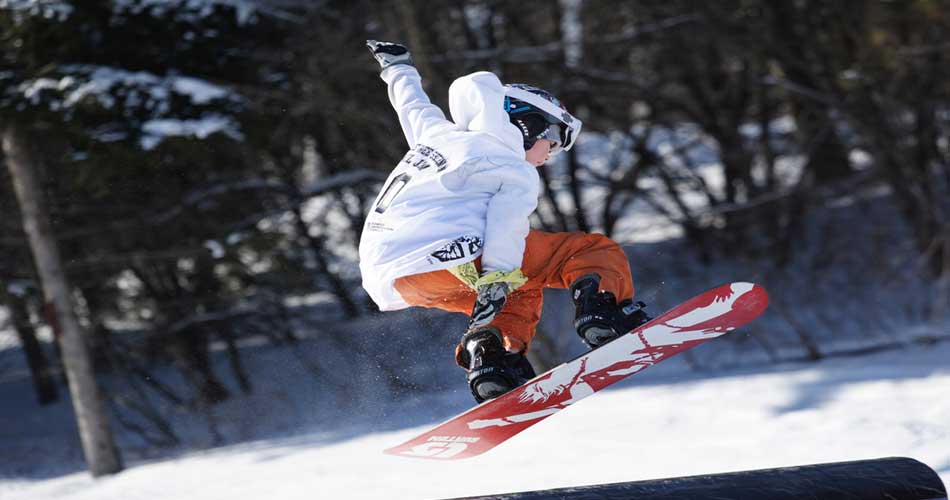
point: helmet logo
(524, 128)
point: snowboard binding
(492, 370)
(598, 318)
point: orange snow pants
(551, 260)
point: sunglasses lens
(553, 134)
(564, 133)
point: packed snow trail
(663, 424)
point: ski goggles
(554, 133)
(566, 127)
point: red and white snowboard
(693, 322)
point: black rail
(884, 479)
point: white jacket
(464, 189)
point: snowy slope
(661, 423)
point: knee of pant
(600, 241)
(588, 242)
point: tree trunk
(100, 451)
(350, 309)
(43, 381)
(580, 213)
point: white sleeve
(508, 219)
(417, 115)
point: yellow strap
(514, 279)
(467, 273)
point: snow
(89, 83)
(192, 10)
(665, 422)
(84, 83)
(156, 130)
(200, 91)
(81, 81)
(48, 9)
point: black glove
(388, 53)
(491, 298)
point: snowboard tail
(700, 319)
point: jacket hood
(477, 104)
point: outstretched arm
(417, 115)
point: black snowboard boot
(598, 317)
(492, 370)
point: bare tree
(43, 381)
(101, 453)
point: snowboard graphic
(693, 322)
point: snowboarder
(450, 228)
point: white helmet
(540, 115)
